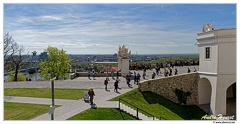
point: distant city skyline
(101, 28)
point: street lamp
(52, 107)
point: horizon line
(133, 54)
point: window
(207, 52)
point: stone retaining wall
(166, 86)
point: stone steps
(133, 112)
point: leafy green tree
(57, 64)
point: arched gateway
(204, 91)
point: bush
(20, 77)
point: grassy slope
(45, 93)
(23, 111)
(102, 114)
(159, 106)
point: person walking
(128, 79)
(116, 85)
(106, 83)
(170, 71)
(144, 73)
(195, 70)
(112, 74)
(165, 72)
(91, 95)
(159, 69)
(189, 70)
(153, 75)
(176, 71)
(93, 74)
(89, 75)
(117, 74)
(138, 78)
(135, 77)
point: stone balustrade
(85, 74)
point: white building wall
(211, 63)
(223, 83)
(227, 58)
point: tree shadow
(187, 112)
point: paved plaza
(70, 108)
(85, 83)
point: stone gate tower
(217, 69)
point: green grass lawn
(102, 114)
(45, 93)
(159, 106)
(23, 111)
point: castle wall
(166, 86)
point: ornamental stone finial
(123, 52)
(207, 27)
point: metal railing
(137, 110)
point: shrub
(20, 77)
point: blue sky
(101, 28)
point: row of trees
(57, 64)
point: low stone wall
(85, 74)
(166, 86)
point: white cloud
(49, 18)
(93, 31)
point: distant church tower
(217, 69)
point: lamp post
(52, 107)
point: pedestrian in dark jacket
(116, 85)
(189, 70)
(106, 83)
(91, 95)
(128, 79)
(153, 75)
(138, 78)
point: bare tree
(13, 52)
(10, 47)
(17, 60)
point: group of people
(92, 94)
(93, 74)
(136, 78)
(169, 73)
(115, 84)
